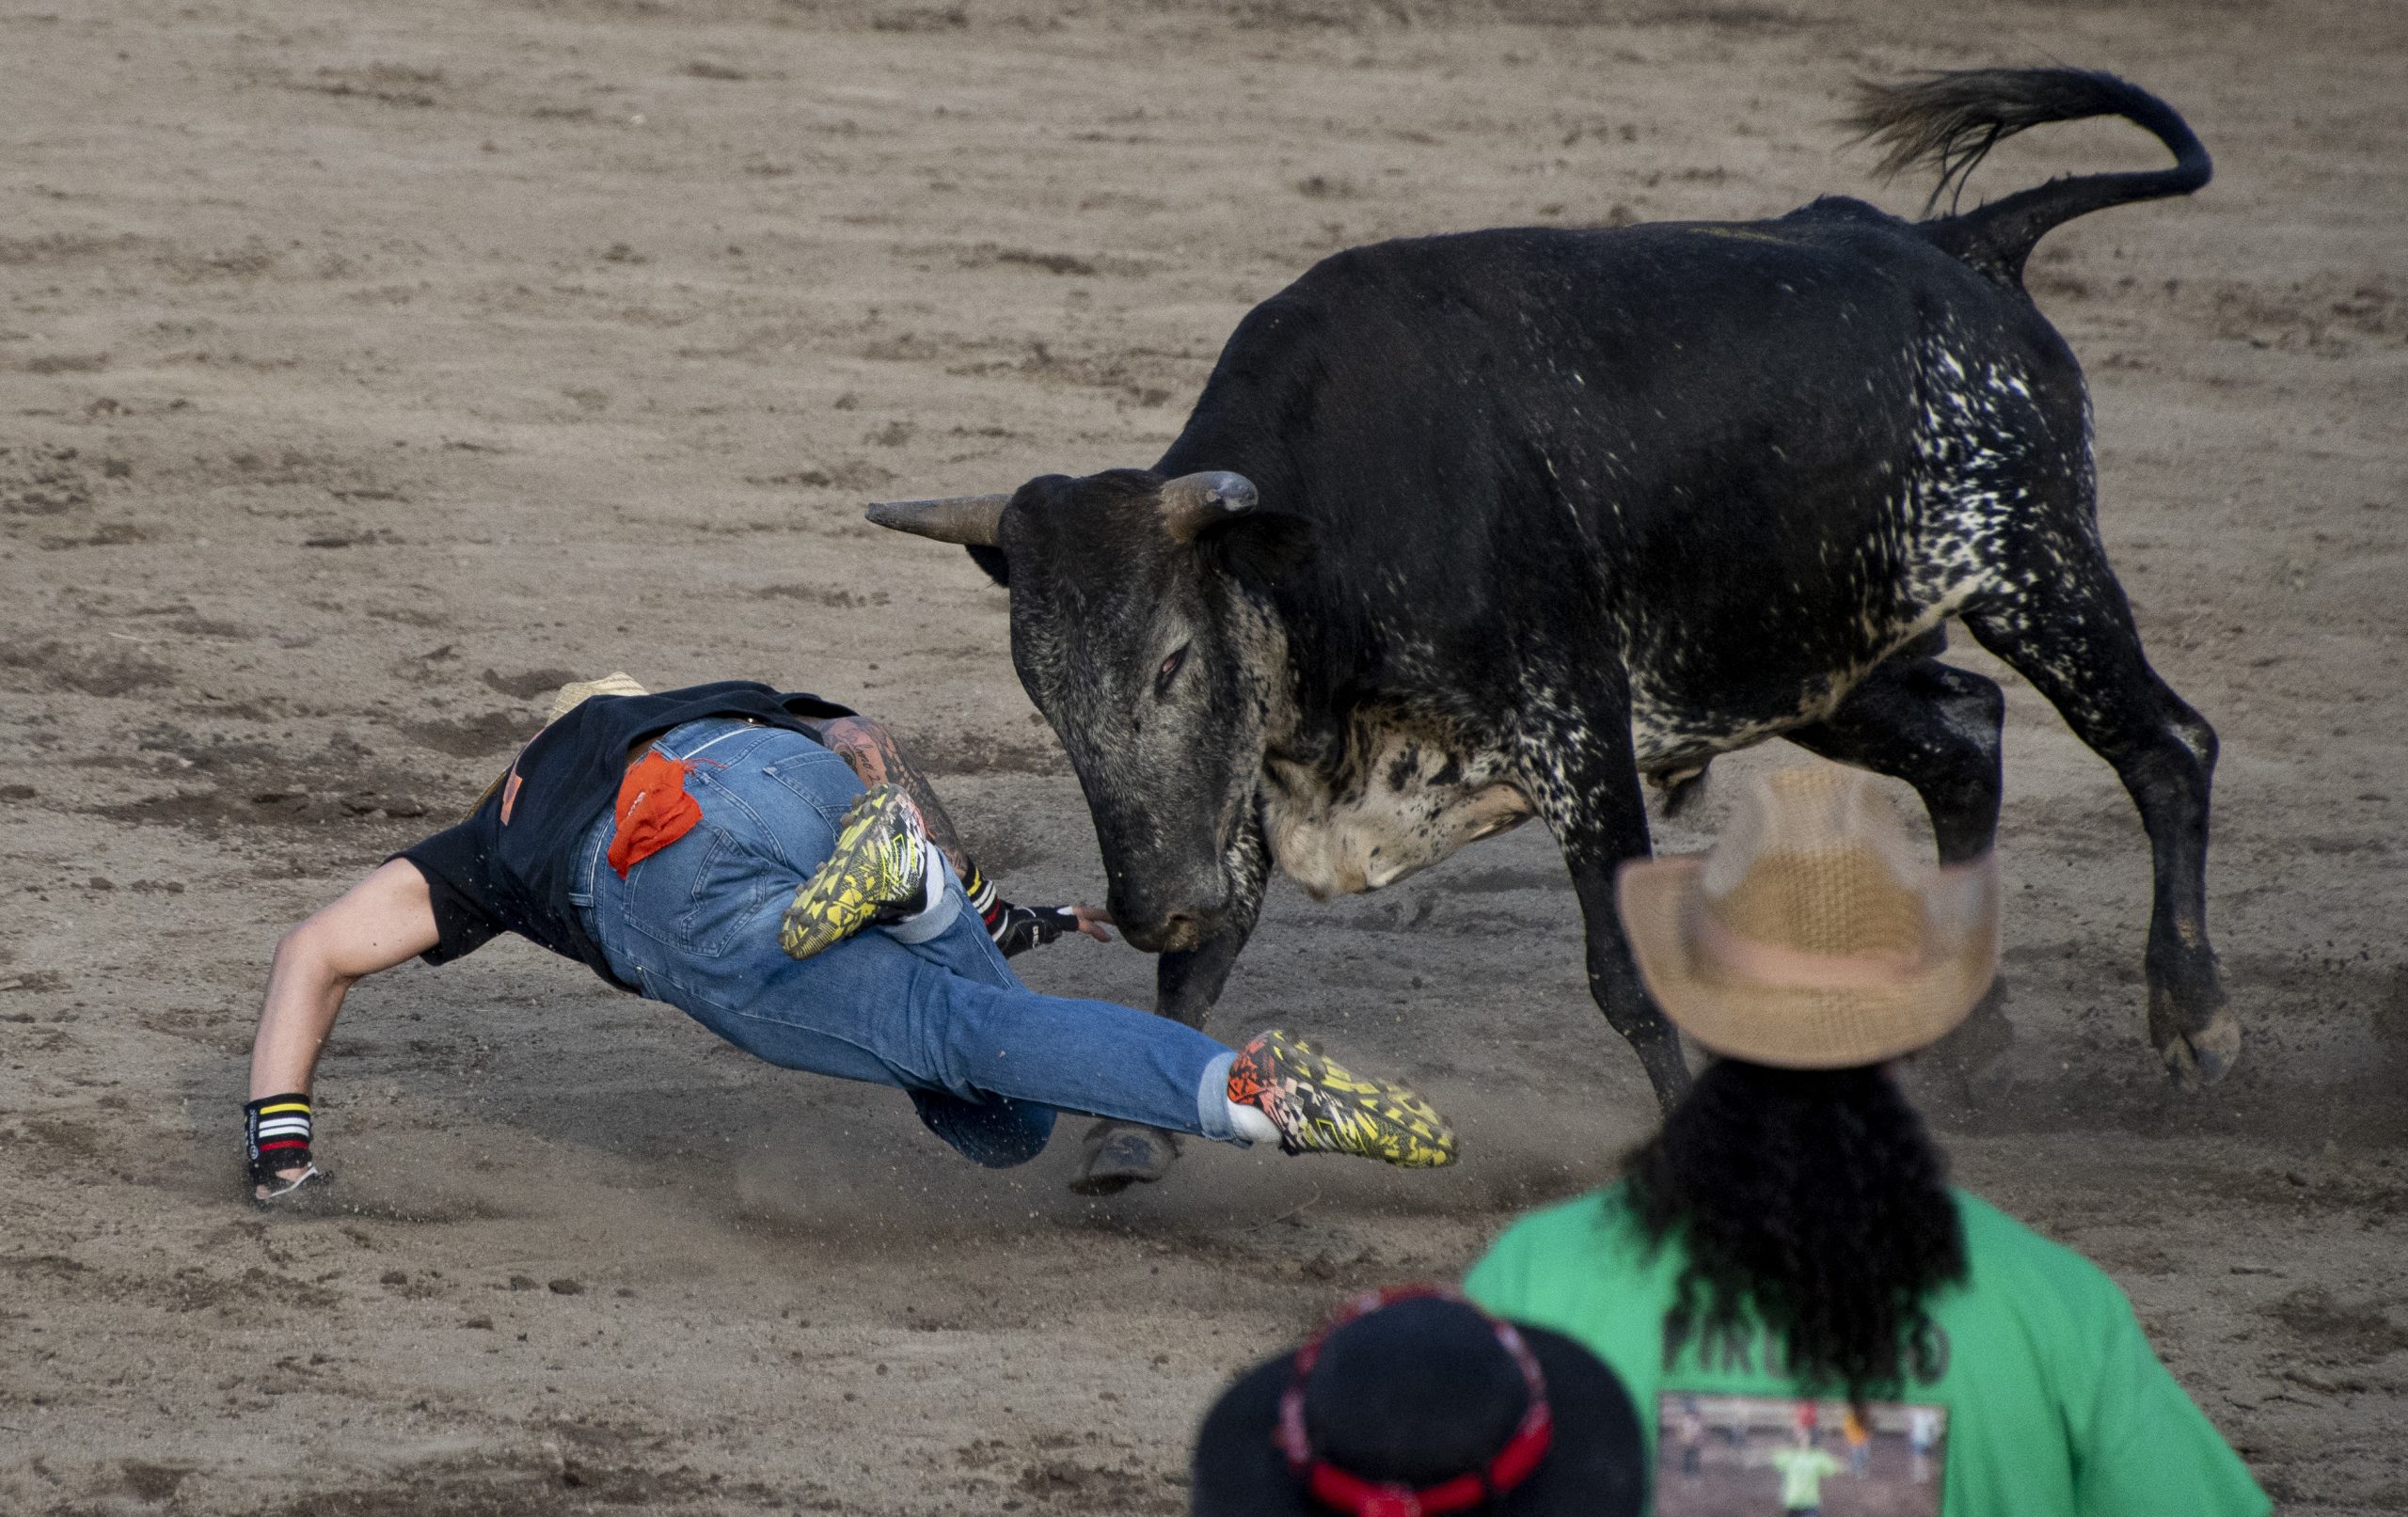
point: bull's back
(1693, 440)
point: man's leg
(995, 1131)
(914, 1016)
(993, 1134)
(874, 1009)
(696, 924)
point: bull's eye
(1170, 669)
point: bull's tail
(1950, 120)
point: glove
(1019, 928)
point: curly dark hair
(1817, 1199)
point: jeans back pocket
(803, 798)
(695, 894)
(819, 779)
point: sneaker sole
(853, 885)
(311, 1195)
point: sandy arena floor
(365, 369)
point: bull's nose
(1167, 915)
(1181, 930)
(1171, 932)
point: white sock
(937, 906)
(1253, 1125)
(932, 878)
(931, 884)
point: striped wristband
(275, 1134)
(983, 897)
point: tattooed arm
(871, 752)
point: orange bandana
(653, 811)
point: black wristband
(275, 1134)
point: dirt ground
(366, 370)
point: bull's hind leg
(1935, 727)
(2072, 636)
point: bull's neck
(1302, 728)
(1274, 681)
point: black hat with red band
(1413, 1403)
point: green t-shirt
(2055, 1404)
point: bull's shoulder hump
(1834, 232)
(1444, 257)
(1841, 211)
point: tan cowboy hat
(577, 693)
(1818, 934)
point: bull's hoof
(1970, 1058)
(1116, 1155)
(2198, 1059)
(1680, 788)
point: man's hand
(1019, 928)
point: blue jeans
(988, 1060)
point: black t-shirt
(509, 867)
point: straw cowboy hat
(1818, 934)
(577, 693)
(566, 699)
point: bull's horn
(967, 520)
(1194, 502)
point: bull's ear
(991, 558)
(1261, 548)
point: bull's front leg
(1584, 779)
(1116, 1155)
(1187, 984)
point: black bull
(1468, 528)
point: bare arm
(380, 921)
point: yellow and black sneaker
(880, 872)
(1320, 1107)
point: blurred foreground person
(1415, 1403)
(715, 847)
(1790, 1233)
